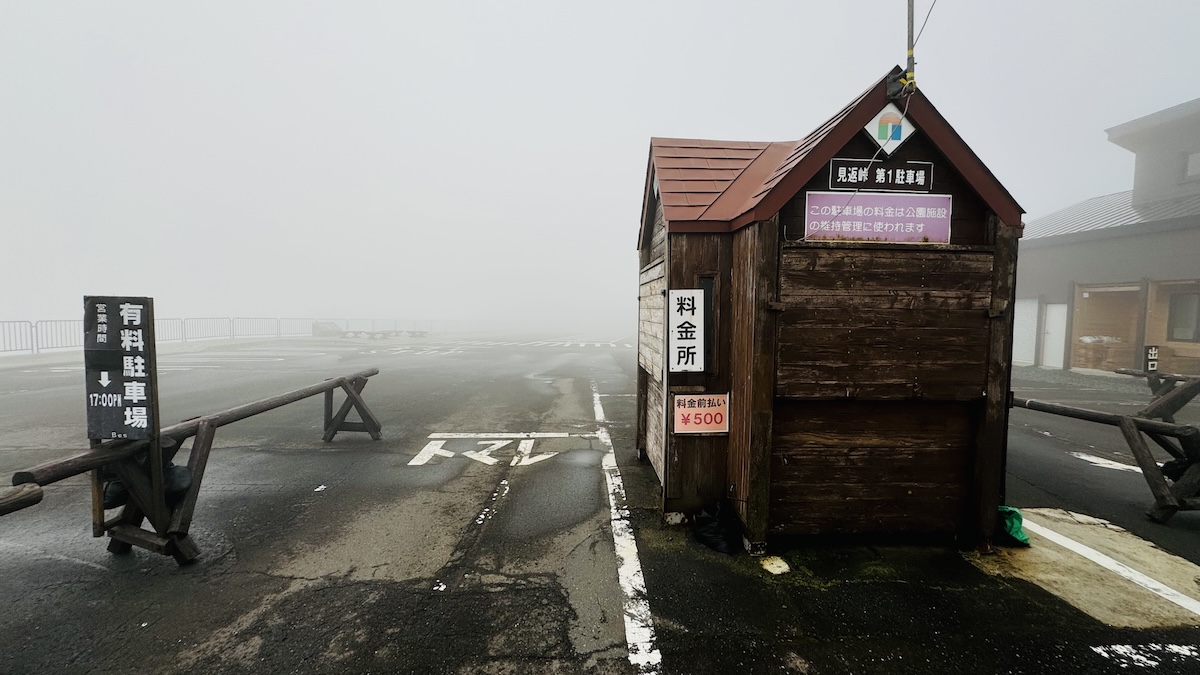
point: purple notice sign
(871, 216)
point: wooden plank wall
(741, 362)
(651, 344)
(697, 464)
(752, 365)
(870, 467)
(881, 373)
(658, 236)
(883, 324)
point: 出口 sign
(685, 325)
(1151, 361)
(872, 216)
(119, 367)
(701, 413)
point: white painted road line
(498, 436)
(1148, 655)
(1120, 568)
(431, 449)
(522, 457)
(1105, 463)
(639, 623)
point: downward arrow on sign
(104, 381)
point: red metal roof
(693, 173)
(721, 186)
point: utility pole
(906, 83)
(912, 63)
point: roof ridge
(1078, 204)
(721, 186)
(752, 175)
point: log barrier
(147, 497)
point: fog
(485, 161)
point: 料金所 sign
(685, 323)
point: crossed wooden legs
(147, 498)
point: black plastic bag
(1175, 468)
(717, 527)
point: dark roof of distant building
(1108, 212)
(721, 186)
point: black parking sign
(1151, 361)
(119, 366)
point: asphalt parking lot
(484, 533)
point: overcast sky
(487, 159)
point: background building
(1100, 280)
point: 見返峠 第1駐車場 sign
(119, 364)
(869, 216)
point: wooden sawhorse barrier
(1156, 422)
(147, 494)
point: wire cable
(870, 162)
(918, 38)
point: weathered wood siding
(870, 467)
(883, 324)
(752, 369)
(658, 235)
(882, 359)
(884, 355)
(697, 464)
(651, 344)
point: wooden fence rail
(1181, 441)
(147, 497)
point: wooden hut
(855, 289)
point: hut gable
(722, 186)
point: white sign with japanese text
(685, 330)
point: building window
(1193, 165)
(1183, 319)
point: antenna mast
(910, 79)
(905, 83)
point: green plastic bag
(1013, 535)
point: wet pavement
(350, 557)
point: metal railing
(16, 336)
(58, 334)
(34, 337)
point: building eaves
(1123, 134)
(1109, 212)
(713, 186)
(693, 173)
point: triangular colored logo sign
(890, 128)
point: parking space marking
(1153, 585)
(1105, 463)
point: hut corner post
(992, 444)
(765, 277)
